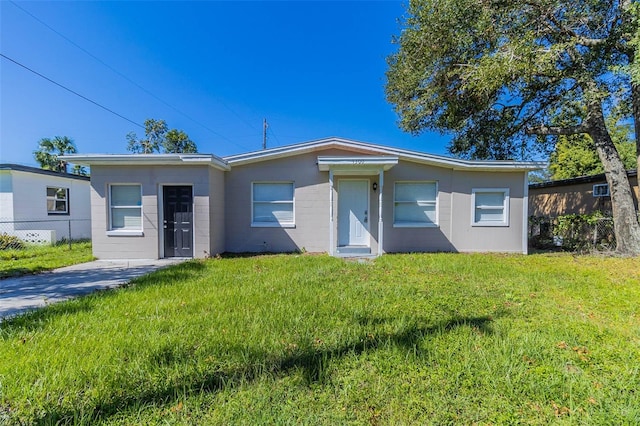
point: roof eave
(148, 160)
(403, 154)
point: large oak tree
(497, 73)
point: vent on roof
(601, 190)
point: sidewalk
(28, 292)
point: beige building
(580, 195)
(332, 195)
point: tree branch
(557, 130)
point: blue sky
(212, 69)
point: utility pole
(264, 134)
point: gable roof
(380, 150)
(35, 170)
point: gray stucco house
(330, 195)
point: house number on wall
(358, 161)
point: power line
(133, 82)
(274, 134)
(72, 91)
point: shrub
(573, 232)
(8, 242)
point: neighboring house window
(125, 207)
(57, 200)
(601, 190)
(415, 204)
(490, 207)
(272, 204)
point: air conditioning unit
(601, 190)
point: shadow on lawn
(313, 363)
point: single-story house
(330, 195)
(43, 206)
(580, 195)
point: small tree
(49, 150)
(177, 141)
(160, 139)
(154, 131)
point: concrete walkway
(28, 292)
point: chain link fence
(580, 233)
(18, 234)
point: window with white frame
(57, 200)
(415, 204)
(490, 207)
(125, 207)
(272, 204)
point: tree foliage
(158, 138)
(50, 149)
(154, 131)
(177, 141)
(79, 170)
(496, 73)
(575, 155)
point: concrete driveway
(28, 292)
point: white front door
(353, 213)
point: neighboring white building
(41, 205)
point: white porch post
(331, 244)
(380, 222)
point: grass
(38, 258)
(407, 339)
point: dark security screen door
(178, 221)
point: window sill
(416, 225)
(123, 233)
(491, 225)
(272, 225)
(57, 213)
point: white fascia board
(147, 160)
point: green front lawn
(407, 339)
(34, 259)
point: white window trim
(125, 232)
(54, 199)
(505, 206)
(278, 224)
(416, 224)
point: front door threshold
(353, 250)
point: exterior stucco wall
(311, 208)
(398, 239)
(556, 200)
(25, 203)
(468, 238)
(217, 211)
(152, 179)
(223, 206)
(311, 232)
